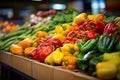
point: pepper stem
(66, 63)
(72, 51)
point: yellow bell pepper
(79, 19)
(26, 43)
(113, 56)
(117, 21)
(55, 57)
(98, 17)
(63, 29)
(16, 49)
(59, 36)
(91, 17)
(106, 70)
(70, 49)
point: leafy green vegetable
(110, 19)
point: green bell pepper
(106, 42)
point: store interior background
(17, 11)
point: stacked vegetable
(29, 29)
(6, 27)
(90, 43)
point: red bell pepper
(55, 43)
(78, 28)
(34, 54)
(44, 52)
(71, 36)
(110, 28)
(99, 27)
(96, 26)
(89, 34)
(51, 42)
(89, 24)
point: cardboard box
(22, 64)
(42, 71)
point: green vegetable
(89, 45)
(82, 61)
(59, 17)
(80, 44)
(7, 48)
(110, 19)
(106, 42)
(66, 17)
(117, 46)
(16, 33)
(81, 65)
(92, 65)
(118, 73)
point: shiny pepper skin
(16, 49)
(70, 49)
(106, 70)
(69, 62)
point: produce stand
(41, 71)
(63, 46)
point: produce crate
(22, 64)
(42, 71)
(5, 57)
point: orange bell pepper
(69, 62)
(26, 43)
(16, 49)
(41, 35)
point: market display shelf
(41, 71)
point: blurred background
(17, 11)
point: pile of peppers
(45, 48)
(103, 37)
(84, 44)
